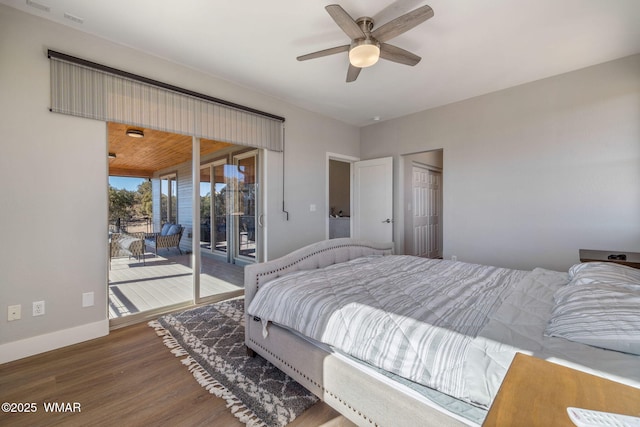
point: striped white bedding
(453, 327)
(414, 317)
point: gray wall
(533, 173)
(54, 174)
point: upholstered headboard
(316, 255)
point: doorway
(423, 204)
(370, 187)
(339, 195)
(167, 273)
(339, 199)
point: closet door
(427, 208)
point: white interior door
(427, 205)
(420, 224)
(373, 200)
(435, 214)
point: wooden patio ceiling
(141, 157)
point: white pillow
(605, 315)
(603, 272)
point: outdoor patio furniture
(169, 237)
(125, 244)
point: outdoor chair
(125, 244)
(169, 237)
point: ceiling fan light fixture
(364, 53)
(135, 133)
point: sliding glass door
(213, 207)
(228, 208)
(245, 202)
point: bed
(390, 340)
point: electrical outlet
(14, 312)
(454, 258)
(38, 308)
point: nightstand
(537, 393)
(631, 259)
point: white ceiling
(470, 47)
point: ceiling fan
(368, 45)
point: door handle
(387, 221)
(260, 223)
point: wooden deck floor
(165, 280)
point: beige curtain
(86, 91)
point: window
(169, 199)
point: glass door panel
(205, 207)
(221, 207)
(245, 207)
(214, 207)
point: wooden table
(537, 393)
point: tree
(205, 207)
(121, 203)
(144, 200)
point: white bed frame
(356, 392)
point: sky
(127, 183)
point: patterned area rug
(212, 338)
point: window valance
(87, 89)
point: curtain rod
(101, 67)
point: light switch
(87, 299)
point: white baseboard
(39, 344)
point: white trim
(42, 343)
(341, 158)
(195, 218)
(262, 188)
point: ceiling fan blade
(325, 52)
(345, 21)
(396, 54)
(352, 73)
(402, 23)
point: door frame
(345, 159)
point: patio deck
(164, 280)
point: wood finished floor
(128, 378)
